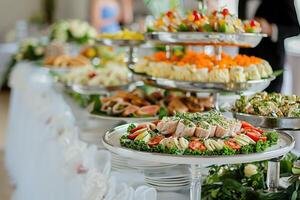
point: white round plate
(111, 141)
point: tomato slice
(138, 128)
(232, 144)
(155, 140)
(253, 135)
(197, 145)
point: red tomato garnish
(170, 14)
(138, 128)
(92, 75)
(263, 138)
(132, 136)
(253, 135)
(252, 22)
(197, 145)
(196, 15)
(232, 144)
(225, 12)
(246, 124)
(155, 140)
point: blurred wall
(72, 9)
(13, 10)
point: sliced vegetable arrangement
(198, 134)
(149, 102)
(272, 105)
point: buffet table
(44, 155)
(49, 152)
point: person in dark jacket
(278, 19)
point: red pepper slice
(257, 130)
(133, 135)
(254, 136)
(246, 124)
(138, 128)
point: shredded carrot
(202, 60)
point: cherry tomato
(197, 145)
(138, 128)
(225, 12)
(232, 144)
(155, 140)
(170, 14)
(252, 23)
(196, 15)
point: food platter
(119, 42)
(89, 90)
(206, 38)
(111, 141)
(191, 86)
(279, 123)
(126, 119)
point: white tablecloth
(44, 155)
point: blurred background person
(105, 15)
(278, 19)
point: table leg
(131, 56)
(273, 174)
(195, 189)
(216, 97)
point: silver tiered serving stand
(111, 141)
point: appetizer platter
(272, 110)
(91, 80)
(181, 140)
(196, 71)
(143, 105)
(195, 28)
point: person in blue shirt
(105, 15)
